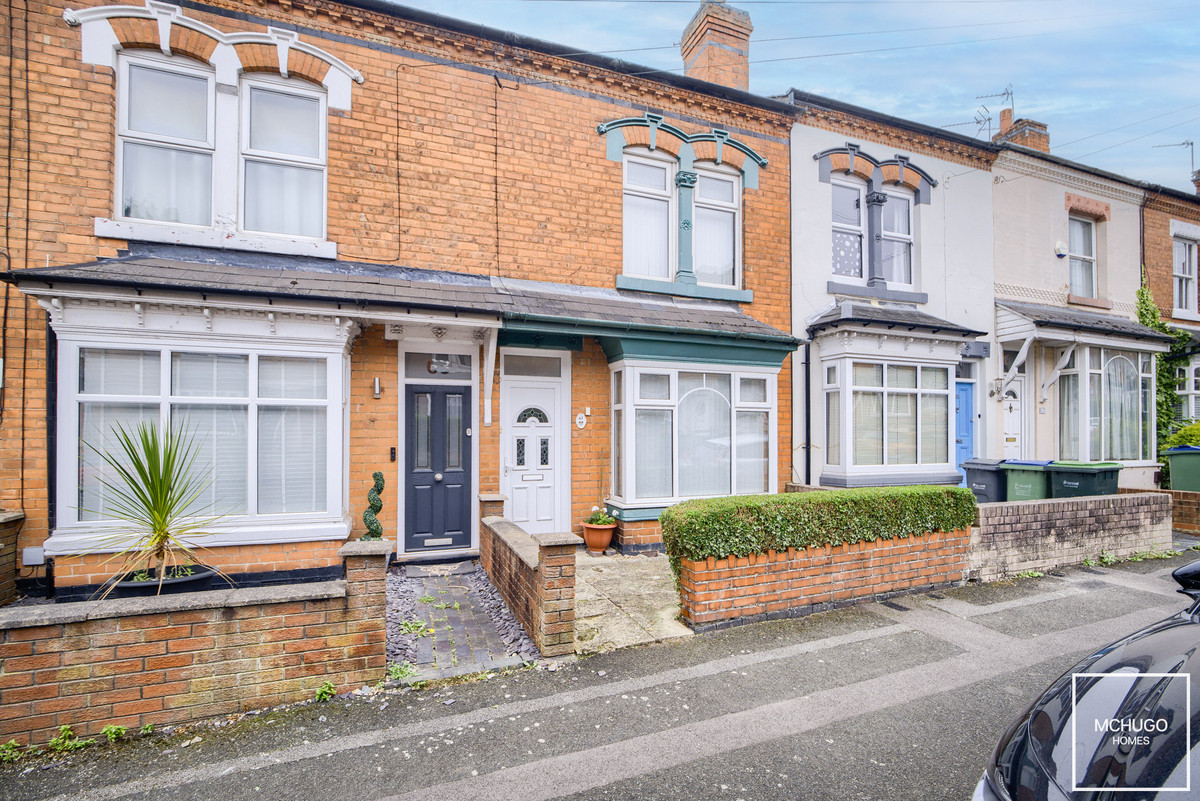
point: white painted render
(952, 263)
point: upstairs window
(1184, 270)
(717, 226)
(897, 239)
(283, 160)
(1082, 249)
(165, 142)
(649, 208)
(848, 230)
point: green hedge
(1188, 435)
(749, 524)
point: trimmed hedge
(753, 524)
(1188, 435)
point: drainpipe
(807, 414)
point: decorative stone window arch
(887, 238)
(714, 153)
(236, 207)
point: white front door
(535, 447)
(1014, 419)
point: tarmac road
(897, 701)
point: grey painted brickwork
(1009, 538)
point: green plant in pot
(598, 530)
(155, 489)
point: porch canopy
(1027, 324)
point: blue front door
(437, 501)
(964, 423)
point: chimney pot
(716, 45)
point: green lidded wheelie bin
(985, 477)
(1185, 467)
(1077, 479)
(1025, 479)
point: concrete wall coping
(11, 517)
(1085, 501)
(21, 617)
(488, 497)
(367, 548)
(556, 539)
(516, 538)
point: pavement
(896, 701)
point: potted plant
(155, 489)
(598, 530)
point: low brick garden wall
(179, 658)
(736, 590)
(1185, 508)
(535, 574)
(10, 526)
(1016, 536)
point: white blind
(705, 442)
(653, 455)
(752, 452)
(118, 372)
(645, 238)
(868, 427)
(210, 375)
(164, 184)
(285, 123)
(290, 377)
(714, 247)
(282, 199)
(291, 459)
(220, 437)
(935, 423)
(97, 422)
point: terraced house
(345, 237)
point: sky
(1117, 82)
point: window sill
(876, 292)
(213, 238)
(885, 477)
(1094, 303)
(1185, 314)
(703, 291)
(634, 514)
(77, 538)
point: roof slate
(891, 316)
(1074, 319)
(361, 284)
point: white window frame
(625, 487)
(266, 82)
(844, 385)
(1184, 283)
(670, 193)
(73, 535)
(724, 173)
(860, 230)
(126, 61)
(228, 124)
(1092, 361)
(1188, 389)
(910, 238)
(1091, 260)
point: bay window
(694, 431)
(264, 426)
(1116, 388)
(890, 414)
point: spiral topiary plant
(374, 528)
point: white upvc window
(849, 230)
(1187, 381)
(165, 141)
(889, 414)
(650, 242)
(717, 226)
(1184, 271)
(228, 168)
(897, 237)
(1106, 406)
(266, 423)
(283, 158)
(1082, 247)
(688, 431)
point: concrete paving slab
(622, 601)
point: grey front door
(437, 498)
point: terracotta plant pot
(597, 538)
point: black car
(1122, 725)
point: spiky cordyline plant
(156, 491)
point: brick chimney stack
(1025, 133)
(716, 45)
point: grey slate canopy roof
(902, 317)
(358, 285)
(1075, 320)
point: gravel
(486, 597)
